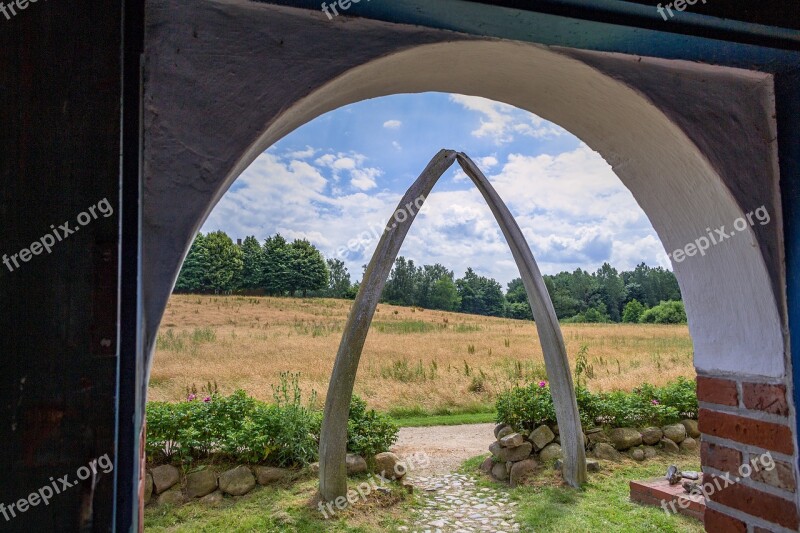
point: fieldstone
(355, 464)
(499, 472)
(200, 483)
(237, 481)
(652, 435)
(592, 465)
(554, 429)
(605, 451)
(550, 452)
(498, 428)
(521, 471)
(649, 452)
(515, 454)
(213, 499)
(270, 474)
(148, 487)
(669, 446)
(389, 465)
(675, 432)
(691, 427)
(637, 454)
(624, 438)
(511, 440)
(541, 437)
(509, 464)
(486, 466)
(599, 436)
(171, 497)
(164, 477)
(314, 468)
(508, 430)
(688, 444)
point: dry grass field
(413, 358)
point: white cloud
(500, 122)
(302, 154)
(392, 124)
(397, 145)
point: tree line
(215, 264)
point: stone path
(454, 504)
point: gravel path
(446, 446)
(452, 502)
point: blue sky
(336, 181)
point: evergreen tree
(191, 277)
(252, 275)
(224, 262)
(276, 265)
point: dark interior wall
(59, 156)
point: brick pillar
(746, 430)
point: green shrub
(368, 432)
(242, 429)
(525, 408)
(633, 311)
(671, 312)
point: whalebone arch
(333, 438)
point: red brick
(719, 391)
(754, 502)
(766, 435)
(782, 476)
(717, 522)
(767, 398)
(720, 457)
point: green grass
(281, 509)
(417, 416)
(602, 505)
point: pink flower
(542, 384)
(207, 399)
(192, 397)
(654, 402)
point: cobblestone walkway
(453, 504)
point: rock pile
(516, 456)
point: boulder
(688, 445)
(499, 471)
(669, 445)
(691, 427)
(592, 466)
(266, 475)
(675, 432)
(554, 429)
(237, 481)
(164, 477)
(486, 465)
(355, 464)
(515, 454)
(200, 483)
(624, 438)
(652, 435)
(508, 430)
(148, 487)
(512, 440)
(649, 452)
(521, 471)
(541, 437)
(390, 466)
(605, 451)
(213, 499)
(495, 448)
(637, 454)
(314, 468)
(550, 453)
(171, 497)
(509, 464)
(498, 428)
(598, 436)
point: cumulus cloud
(499, 122)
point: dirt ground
(446, 446)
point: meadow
(415, 361)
